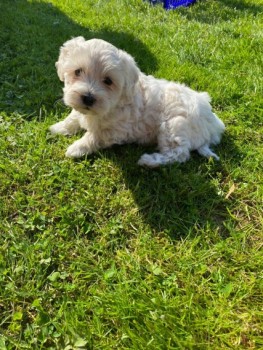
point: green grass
(102, 254)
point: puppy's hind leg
(177, 151)
(173, 144)
(68, 126)
(154, 160)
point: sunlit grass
(102, 254)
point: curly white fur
(116, 103)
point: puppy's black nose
(88, 99)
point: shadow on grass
(225, 11)
(240, 5)
(180, 199)
(30, 36)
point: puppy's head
(97, 76)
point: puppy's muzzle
(88, 100)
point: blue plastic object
(172, 4)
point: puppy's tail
(215, 125)
(220, 129)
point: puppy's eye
(78, 72)
(107, 81)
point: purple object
(172, 4)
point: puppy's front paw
(59, 128)
(77, 150)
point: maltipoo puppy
(116, 103)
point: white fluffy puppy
(116, 103)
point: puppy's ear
(131, 72)
(65, 50)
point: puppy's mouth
(84, 109)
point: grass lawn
(100, 253)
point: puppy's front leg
(86, 145)
(68, 126)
